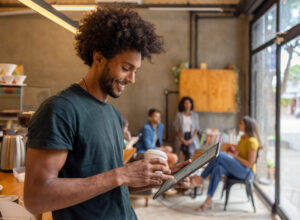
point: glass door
(290, 128)
(264, 78)
(275, 103)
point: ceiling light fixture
(74, 7)
(186, 9)
(121, 1)
(49, 12)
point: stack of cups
(7, 69)
(152, 153)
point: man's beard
(106, 82)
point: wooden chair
(144, 194)
(127, 154)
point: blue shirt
(147, 135)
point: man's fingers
(184, 163)
(162, 176)
(155, 182)
(157, 161)
(162, 168)
(185, 183)
(180, 165)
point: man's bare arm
(45, 191)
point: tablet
(210, 154)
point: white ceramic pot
(19, 79)
(8, 68)
(7, 79)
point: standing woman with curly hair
(74, 161)
(187, 127)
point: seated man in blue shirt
(151, 137)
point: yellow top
(246, 144)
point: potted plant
(271, 169)
(176, 70)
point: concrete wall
(222, 42)
(47, 53)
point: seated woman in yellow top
(240, 165)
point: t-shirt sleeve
(53, 125)
(252, 144)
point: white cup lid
(158, 153)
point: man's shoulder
(58, 101)
(160, 126)
(115, 109)
(57, 104)
(148, 126)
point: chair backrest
(127, 154)
(11, 210)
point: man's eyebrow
(131, 65)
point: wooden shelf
(12, 85)
(211, 90)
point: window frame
(288, 36)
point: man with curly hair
(74, 164)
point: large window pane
(289, 14)
(290, 129)
(264, 29)
(264, 79)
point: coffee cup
(152, 153)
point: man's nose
(131, 77)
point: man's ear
(97, 57)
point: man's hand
(142, 173)
(168, 149)
(186, 181)
(178, 166)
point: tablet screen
(210, 154)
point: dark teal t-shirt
(92, 133)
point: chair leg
(223, 189)
(227, 189)
(251, 195)
(146, 201)
(247, 192)
(195, 192)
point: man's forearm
(141, 189)
(58, 193)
